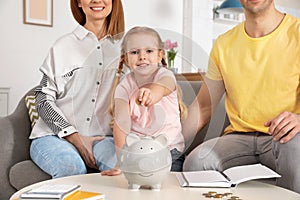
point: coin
(212, 192)
(209, 196)
(137, 101)
(218, 196)
(234, 198)
(228, 194)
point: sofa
(17, 170)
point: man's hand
(84, 144)
(284, 127)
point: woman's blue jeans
(59, 158)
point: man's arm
(200, 111)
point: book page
(244, 173)
(208, 178)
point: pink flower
(170, 45)
(171, 52)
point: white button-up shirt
(74, 94)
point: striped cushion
(30, 103)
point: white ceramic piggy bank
(145, 161)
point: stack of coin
(215, 195)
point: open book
(228, 178)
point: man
(257, 64)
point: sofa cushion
(32, 112)
(26, 173)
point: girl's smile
(143, 55)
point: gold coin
(218, 196)
(137, 101)
(212, 192)
(209, 196)
(228, 194)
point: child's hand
(145, 98)
(111, 172)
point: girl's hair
(160, 43)
(115, 22)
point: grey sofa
(17, 170)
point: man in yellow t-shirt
(257, 65)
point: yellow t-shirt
(261, 75)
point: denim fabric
(59, 158)
(105, 153)
(177, 160)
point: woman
(72, 99)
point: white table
(115, 188)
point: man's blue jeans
(59, 158)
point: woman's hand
(284, 127)
(84, 144)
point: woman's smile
(97, 8)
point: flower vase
(170, 63)
(171, 66)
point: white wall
(288, 3)
(205, 29)
(24, 47)
(162, 14)
(202, 33)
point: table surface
(115, 188)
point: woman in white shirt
(72, 99)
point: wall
(24, 47)
(202, 33)
(205, 29)
(288, 3)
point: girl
(73, 129)
(146, 101)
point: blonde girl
(147, 101)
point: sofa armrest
(14, 143)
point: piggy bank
(145, 161)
